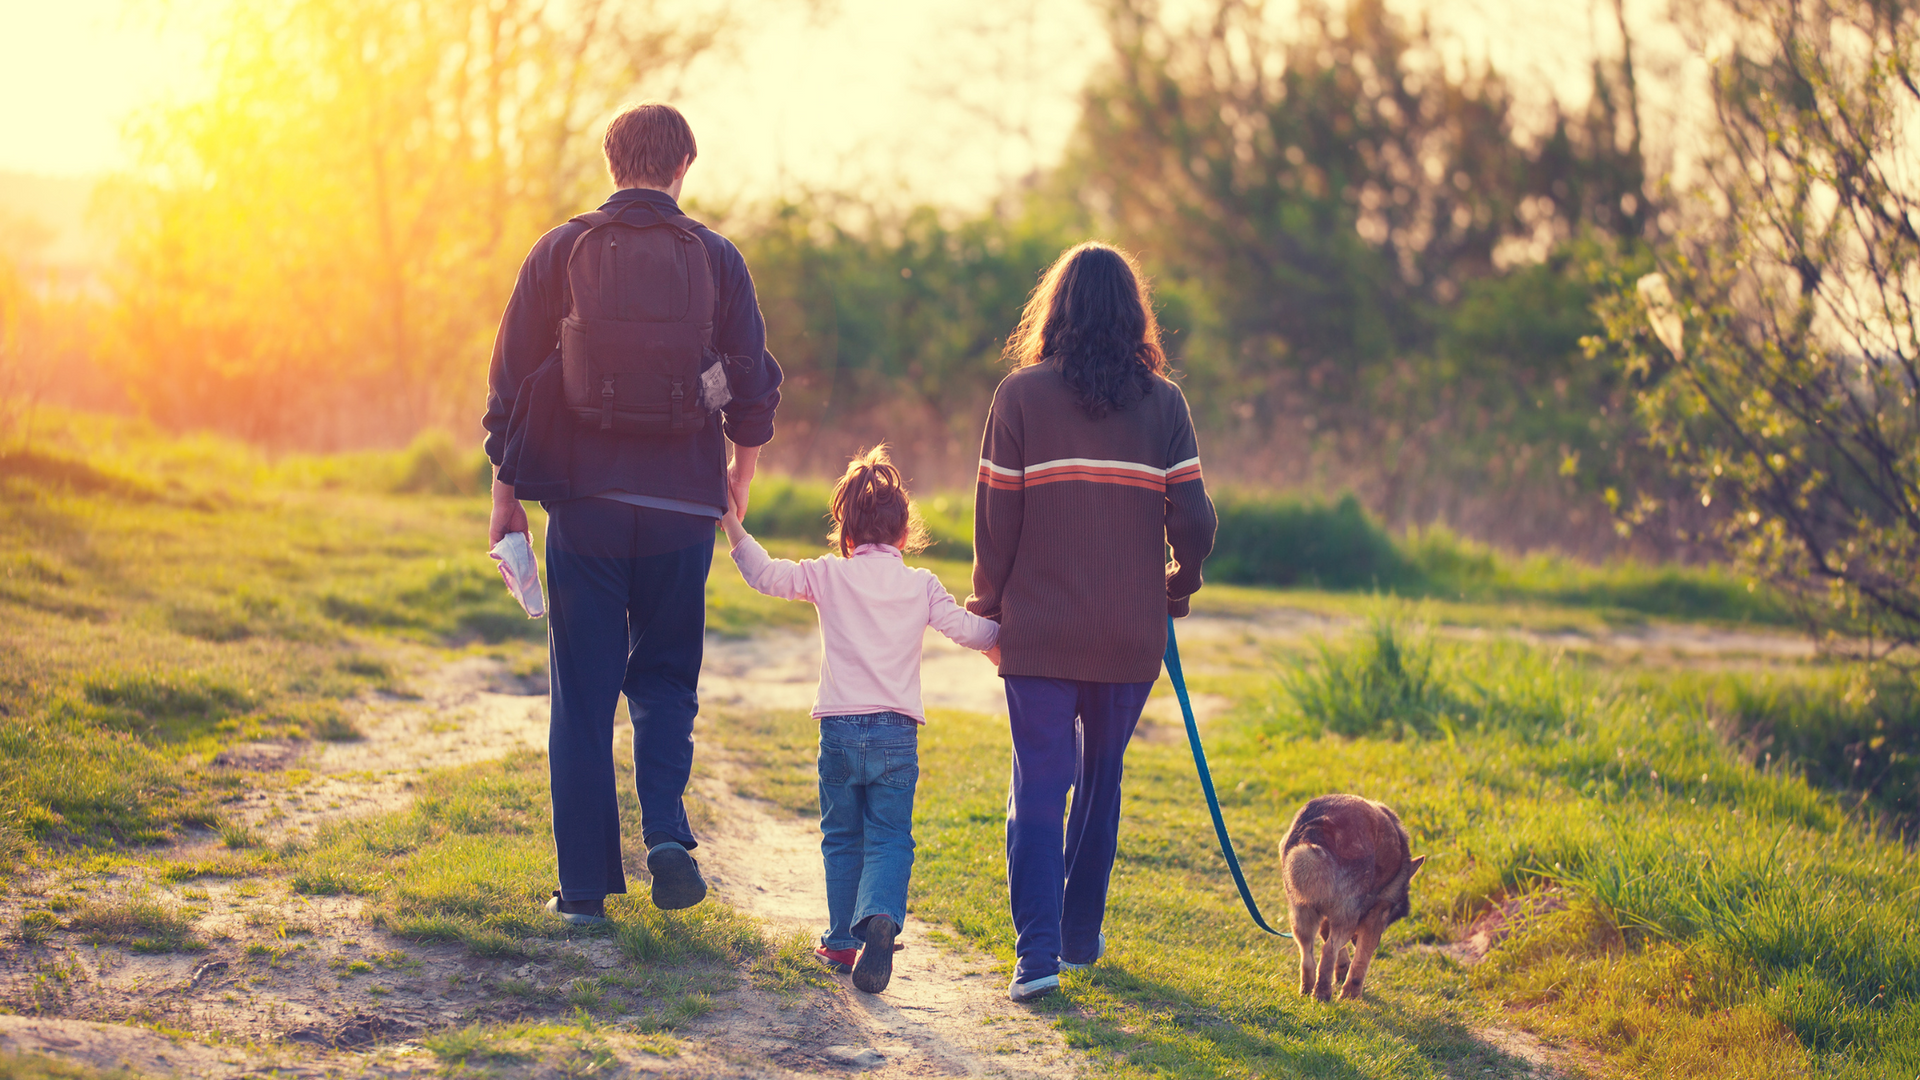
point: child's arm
(962, 627)
(780, 578)
(730, 521)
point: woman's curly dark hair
(1092, 315)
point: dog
(1347, 865)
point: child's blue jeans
(869, 766)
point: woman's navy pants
(1067, 735)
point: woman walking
(1089, 470)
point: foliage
(317, 248)
(1280, 541)
(890, 325)
(1327, 195)
(1780, 369)
(798, 509)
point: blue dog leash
(1206, 782)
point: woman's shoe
(1034, 989)
(838, 961)
(1099, 950)
(874, 969)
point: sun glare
(73, 73)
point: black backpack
(636, 347)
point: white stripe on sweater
(1098, 463)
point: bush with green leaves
(1778, 348)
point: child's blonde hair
(871, 506)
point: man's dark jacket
(548, 456)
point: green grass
(140, 923)
(1722, 916)
(165, 597)
(471, 861)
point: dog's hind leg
(1304, 920)
(1363, 947)
(1329, 954)
(1340, 968)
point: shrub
(797, 509)
(1273, 540)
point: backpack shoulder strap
(699, 268)
(592, 219)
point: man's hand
(740, 478)
(508, 515)
(730, 521)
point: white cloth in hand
(515, 557)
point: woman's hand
(993, 655)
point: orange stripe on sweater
(1087, 471)
(998, 482)
(1122, 479)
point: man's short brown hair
(646, 143)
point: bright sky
(863, 94)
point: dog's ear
(1414, 867)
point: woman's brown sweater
(1071, 523)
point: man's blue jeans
(625, 616)
(869, 767)
(1067, 735)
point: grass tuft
(139, 924)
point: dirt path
(946, 1012)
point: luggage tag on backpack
(714, 390)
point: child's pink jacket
(874, 609)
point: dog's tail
(1310, 871)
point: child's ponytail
(871, 506)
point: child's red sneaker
(839, 961)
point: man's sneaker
(838, 961)
(1033, 989)
(676, 877)
(578, 912)
(874, 969)
(1099, 950)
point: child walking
(874, 610)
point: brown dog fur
(1347, 865)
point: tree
(890, 325)
(1778, 347)
(1368, 250)
(317, 252)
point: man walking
(632, 352)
